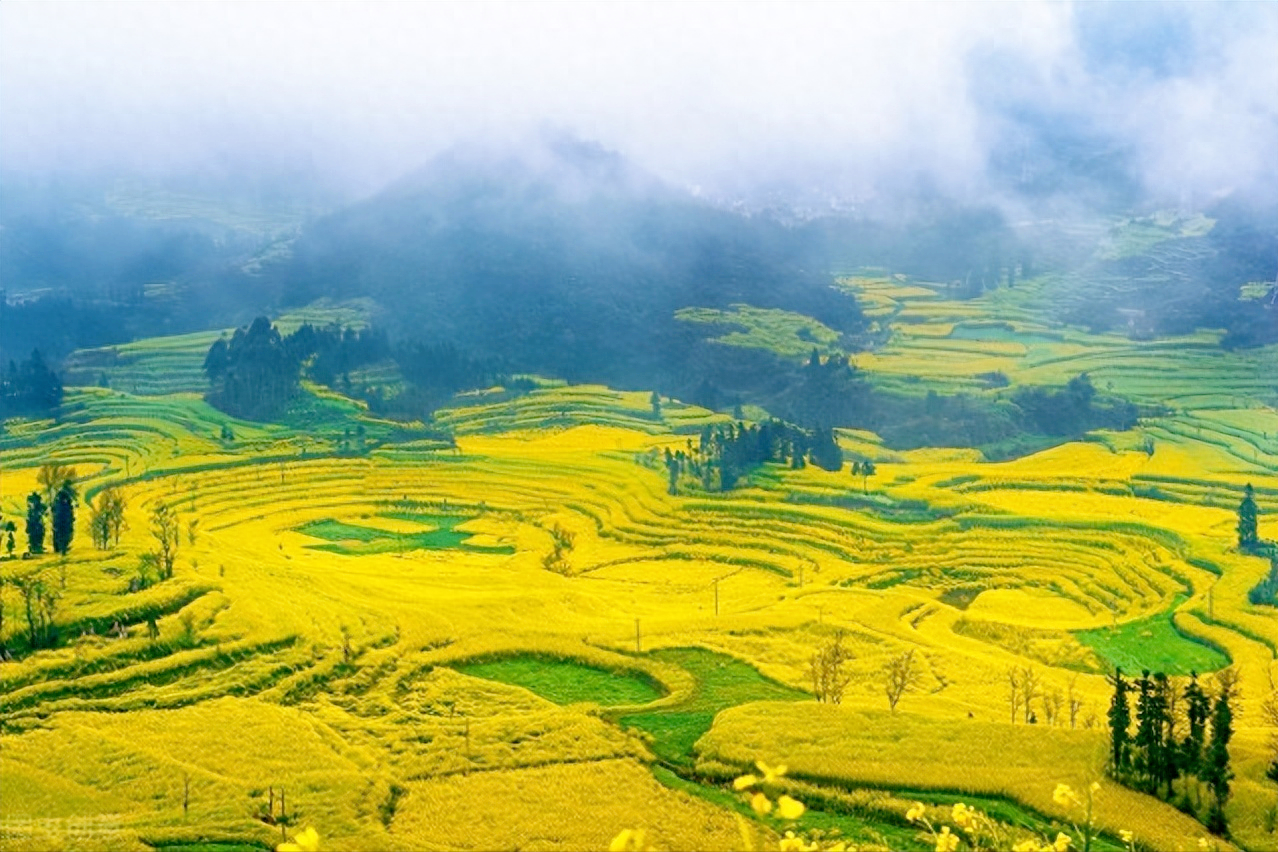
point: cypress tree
(1216, 770)
(35, 523)
(1197, 709)
(1120, 719)
(1247, 532)
(1165, 765)
(1148, 728)
(63, 519)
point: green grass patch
(1152, 643)
(721, 682)
(565, 681)
(354, 540)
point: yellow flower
(915, 812)
(1030, 845)
(1202, 843)
(1064, 796)
(961, 815)
(1126, 836)
(1062, 843)
(762, 804)
(790, 843)
(305, 841)
(1095, 786)
(840, 847)
(946, 842)
(788, 808)
(628, 840)
(770, 773)
(745, 781)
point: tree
(1247, 532)
(1216, 770)
(63, 515)
(52, 477)
(9, 544)
(107, 519)
(900, 675)
(1120, 720)
(1014, 690)
(829, 677)
(655, 402)
(165, 528)
(35, 523)
(1197, 709)
(867, 470)
(1148, 730)
(1029, 691)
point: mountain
(562, 258)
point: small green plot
(721, 681)
(355, 540)
(566, 681)
(1152, 643)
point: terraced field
(423, 646)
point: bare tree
(1075, 702)
(1014, 690)
(165, 528)
(52, 477)
(900, 675)
(829, 675)
(1052, 703)
(1030, 688)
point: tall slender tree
(1197, 709)
(63, 514)
(1216, 770)
(1248, 536)
(1120, 720)
(35, 523)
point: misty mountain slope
(569, 263)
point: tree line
(30, 388)
(726, 454)
(257, 371)
(1181, 731)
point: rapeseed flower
(788, 808)
(306, 840)
(1063, 842)
(745, 781)
(1064, 796)
(762, 804)
(628, 840)
(770, 773)
(945, 841)
(916, 811)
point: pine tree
(1197, 709)
(1216, 770)
(1120, 720)
(1148, 729)
(63, 519)
(1247, 532)
(1165, 764)
(35, 523)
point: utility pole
(638, 643)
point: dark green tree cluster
(331, 352)
(1153, 756)
(254, 374)
(29, 388)
(1074, 409)
(728, 453)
